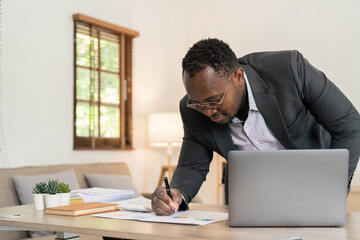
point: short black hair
(209, 52)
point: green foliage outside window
(103, 84)
(87, 88)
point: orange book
(83, 208)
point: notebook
(288, 187)
(83, 208)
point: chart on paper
(187, 217)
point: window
(103, 84)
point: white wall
(37, 82)
(37, 78)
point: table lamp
(165, 130)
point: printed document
(186, 217)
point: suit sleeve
(193, 164)
(329, 106)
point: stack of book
(75, 197)
(104, 195)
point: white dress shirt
(253, 134)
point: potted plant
(52, 199)
(64, 192)
(39, 192)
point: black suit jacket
(303, 109)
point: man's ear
(239, 77)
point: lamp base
(164, 169)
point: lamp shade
(164, 129)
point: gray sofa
(9, 197)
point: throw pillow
(24, 184)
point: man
(262, 101)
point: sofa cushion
(11, 197)
(24, 184)
(116, 181)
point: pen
(167, 187)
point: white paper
(181, 217)
(139, 204)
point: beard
(223, 115)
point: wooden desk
(143, 230)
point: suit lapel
(269, 109)
(222, 137)
(268, 106)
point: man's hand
(162, 204)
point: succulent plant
(40, 188)
(53, 186)
(63, 188)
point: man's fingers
(160, 207)
(159, 211)
(162, 204)
(163, 201)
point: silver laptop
(288, 187)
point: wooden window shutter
(102, 85)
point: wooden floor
(353, 202)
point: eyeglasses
(211, 105)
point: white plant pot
(52, 200)
(39, 201)
(64, 199)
